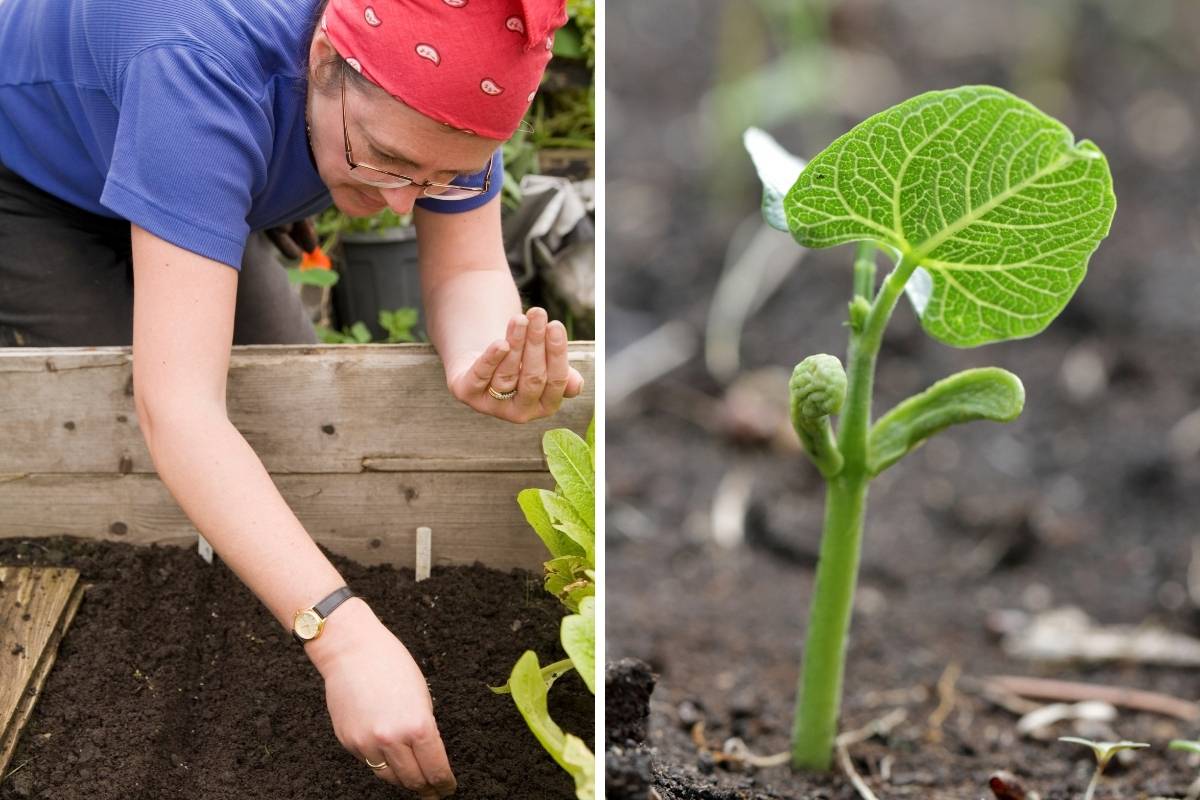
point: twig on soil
(1072, 691)
(648, 359)
(15, 769)
(947, 698)
(843, 759)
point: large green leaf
(777, 169)
(567, 520)
(557, 542)
(529, 691)
(994, 200)
(578, 636)
(570, 461)
(987, 393)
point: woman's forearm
(224, 489)
(468, 311)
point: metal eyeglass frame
(426, 185)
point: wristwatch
(309, 622)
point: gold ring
(376, 767)
(502, 395)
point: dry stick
(875, 728)
(15, 769)
(1072, 691)
(947, 697)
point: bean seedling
(991, 211)
(1104, 752)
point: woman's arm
(182, 333)
(475, 320)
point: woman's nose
(401, 200)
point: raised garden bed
(172, 680)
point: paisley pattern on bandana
(486, 76)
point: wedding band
(376, 767)
(502, 395)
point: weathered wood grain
(369, 517)
(36, 606)
(319, 409)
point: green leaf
(570, 461)
(312, 277)
(987, 393)
(582, 766)
(529, 693)
(996, 203)
(777, 169)
(567, 519)
(591, 441)
(569, 579)
(550, 674)
(360, 332)
(578, 636)
(558, 543)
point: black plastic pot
(378, 273)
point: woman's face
(387, 134)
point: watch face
(307, 624)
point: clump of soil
(174, 682)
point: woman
(146, 150)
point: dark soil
(1090, 499)
(174, 682)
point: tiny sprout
(1193, 791)
(1104, 751)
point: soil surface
(174, 682)
(1090, 499)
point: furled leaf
(557, 542)
(569, 579)
(777, 169)
(570, 461)
(988, 393)
(578, 637)
(567, 519)
(529, 693)
(994, 200)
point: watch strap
(335, 599)
(326, 607)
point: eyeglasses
(383, 179)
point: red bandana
(472, 64)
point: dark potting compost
(174, 682)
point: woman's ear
(322, 57)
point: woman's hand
(531, 360)
(379, 702)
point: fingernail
(558, 334)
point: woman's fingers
(304, 233)
(480, 376)
(509, 370)
(403, 765)
(532, 381)
(557, 370)
(435, 764)
(574, 384)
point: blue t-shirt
(185, 118)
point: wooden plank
(37, 605)
(329, 408)
(371, 517)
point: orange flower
(315, 260)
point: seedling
(565, 519)
(1188, 746)
(991, 211)
(1104, 751)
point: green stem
(1091, 789)
(818, 702)
(864, 270)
